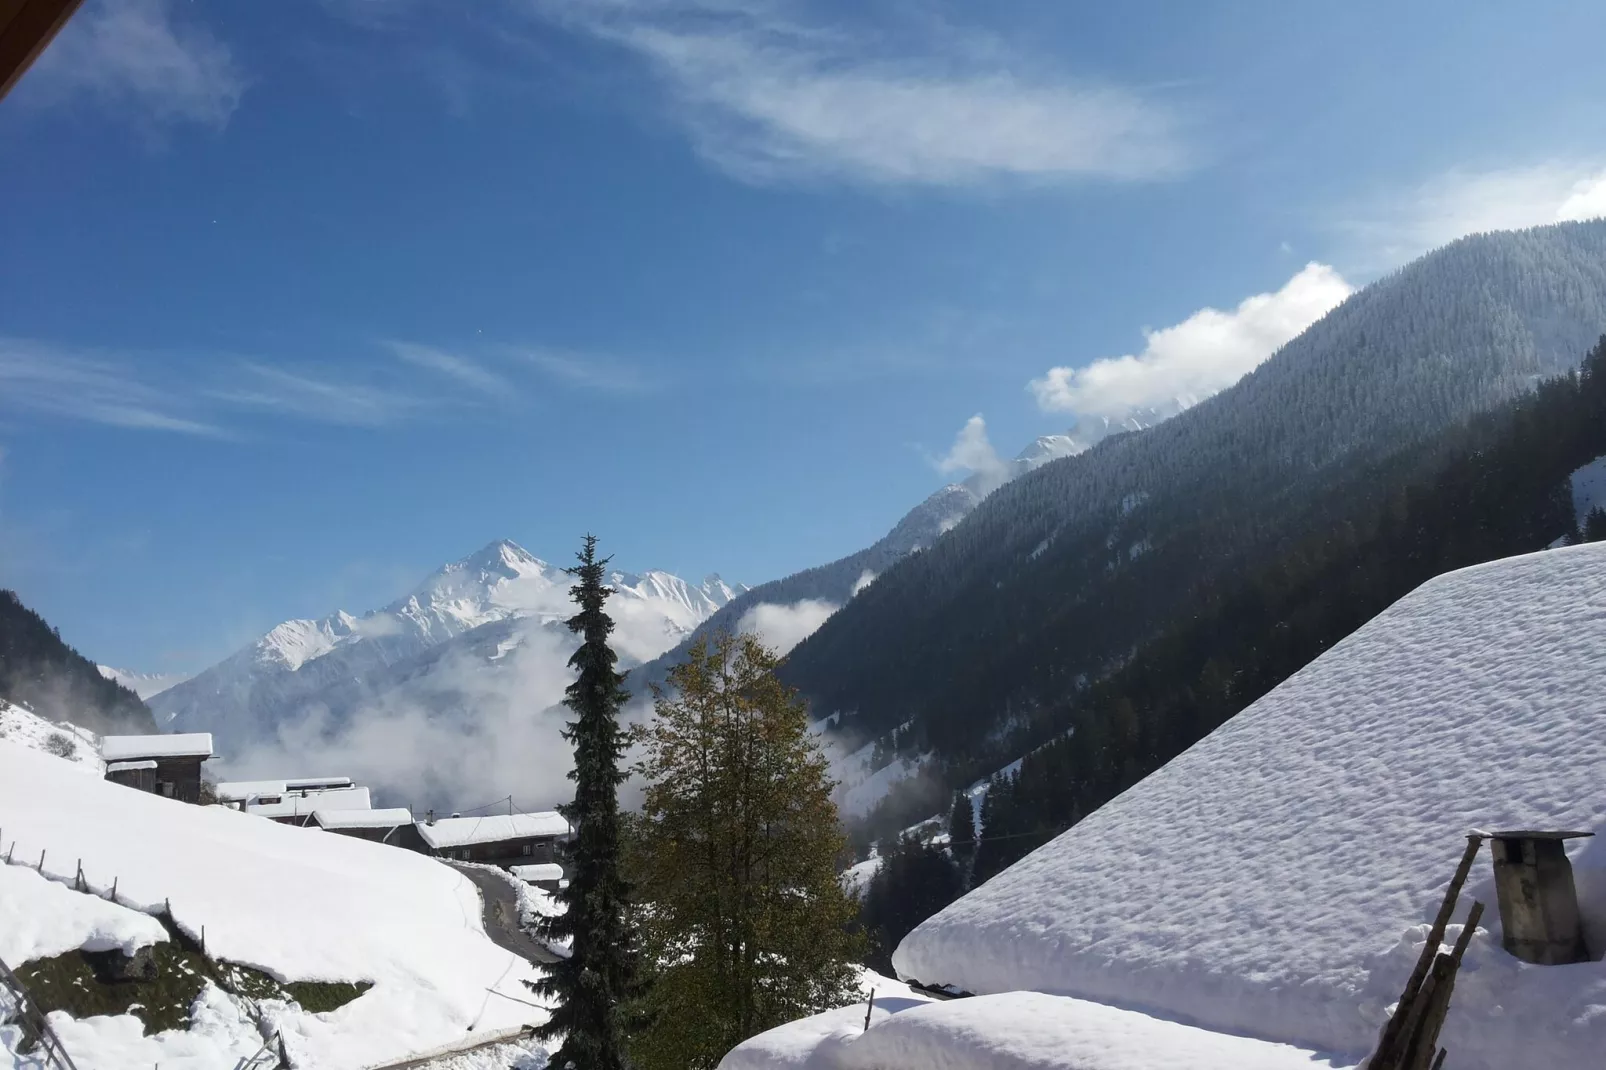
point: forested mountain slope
(40, 671)
(1056, 579)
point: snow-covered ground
(25, 728)
(1010, 1031)
(301, 904)
(1277, 879)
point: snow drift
(1276, 880)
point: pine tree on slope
(962, 834)
(1594, 526)
(599, 975)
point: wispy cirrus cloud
(310, 394)
(589, 371)
(92, 388)
(771, 92)
(1458, 202)
(142, 57)
(470, 373)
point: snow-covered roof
(463, 831)
(1277, 879)
(242, 790)
(184, 745)
(129, 767)
(306, 805)
(363, 819)
(540, 871)
(1010, 1031)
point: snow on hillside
(300, 903)
(1277, 879)
(78, 746)
(143, 684)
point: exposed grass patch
(320, 997)
(77, 983)
(165, 984)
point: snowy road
(502, 916)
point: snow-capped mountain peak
(143, 684)
(341, 660)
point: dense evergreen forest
(1490, 487)
(55, 681)
(1056, 579)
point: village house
(168, 765)
(502, 839)
(392, 825)
(238, 794)
(297, 808)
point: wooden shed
(393, 825)
(141, 776)
(177, 758)
(504, 839)
(297, 807)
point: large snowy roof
(300, 805)
(241, 790)
(363, 819)
(463, 831)
(1276, 879)
(129, 748)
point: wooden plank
(1388, 1050)
(26, 28)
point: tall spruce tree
(591, 985)
(735, 857)
(962, 834)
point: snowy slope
(1277, 878)
(300, 903)
(22, 726)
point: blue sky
(301, 300)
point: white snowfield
(1277, 879)
(300, 903)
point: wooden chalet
(161, 764)
(504, 839)
(393, 825)
(297, 808)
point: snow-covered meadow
(298, 903)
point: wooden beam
(26, 28)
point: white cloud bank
(782, 627)
(1205, 353)
(1461, 202)
(768, 94)
(135, 54)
